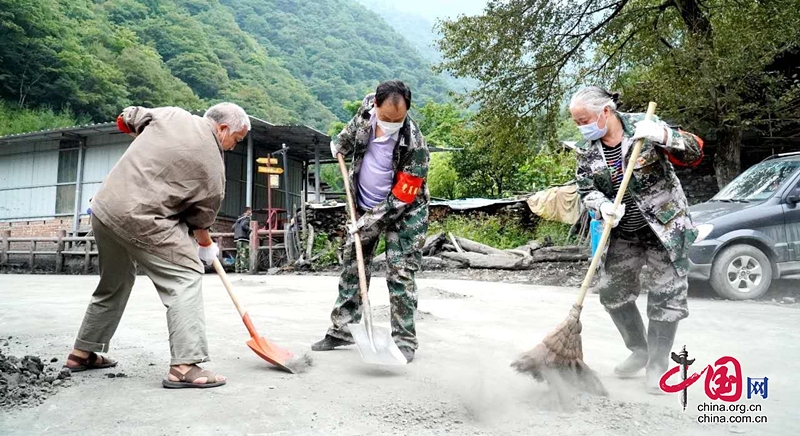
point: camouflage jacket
(654, 186)
(411, 159)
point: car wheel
(741, 272)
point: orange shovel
(264, 348)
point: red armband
(694, 164)
(122, 126)
(407, 187)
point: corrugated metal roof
(301, 140)
(57, 133)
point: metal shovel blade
(381, 350)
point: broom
(560, 354)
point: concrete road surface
(460, 382)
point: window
(759, 182)
(67, 175)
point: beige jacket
(170, 180)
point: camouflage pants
(242, 256)
(404, 241)
(621, 278)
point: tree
(205, 77)
(443, 125)
(331, 174)
(443, 179)
(29, 55)
(150, 84)
(13, 120)
(714, 66)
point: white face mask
(592, 131)
(389, 128)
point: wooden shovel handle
(362, 274)
(224, 277)
(637, 148)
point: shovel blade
(381, 350)
(270, 352)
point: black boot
(408, 353)
(630, 326)
(329, 343)
(660, 337)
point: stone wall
(700, 183)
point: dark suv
(749, 233)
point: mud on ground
(28, 381)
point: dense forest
(286, 61)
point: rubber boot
(631, 327)
(660, 337)
(408, 353)
(329, 343)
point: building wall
(40, 228)
(102, 153)
(236, 183)
(28, 179)
(38, 179)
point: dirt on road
(460, 382)
(28, 381)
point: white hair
(594, 99)
(229, 113)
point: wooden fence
(63, 247)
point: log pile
(449, 251)
(475, 255)
(443, 250)
(329, 220)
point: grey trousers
(179, 287)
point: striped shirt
(633, 219)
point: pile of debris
(27, 382)
(449, 251)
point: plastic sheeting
(561, 203)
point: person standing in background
(241, 233)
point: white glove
(208, 254)
(355, 228)
(651, 131)
(611, 215)
(334, 150)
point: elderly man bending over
(155, 209)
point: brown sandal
(187, 380)
(86, 363)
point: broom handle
(362, 275)
(637, 148)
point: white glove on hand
(334, 150)
(355, 228)
(611, 215)
(651, 131)
(208, 254)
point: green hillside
(286, 61)
(338, 49)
